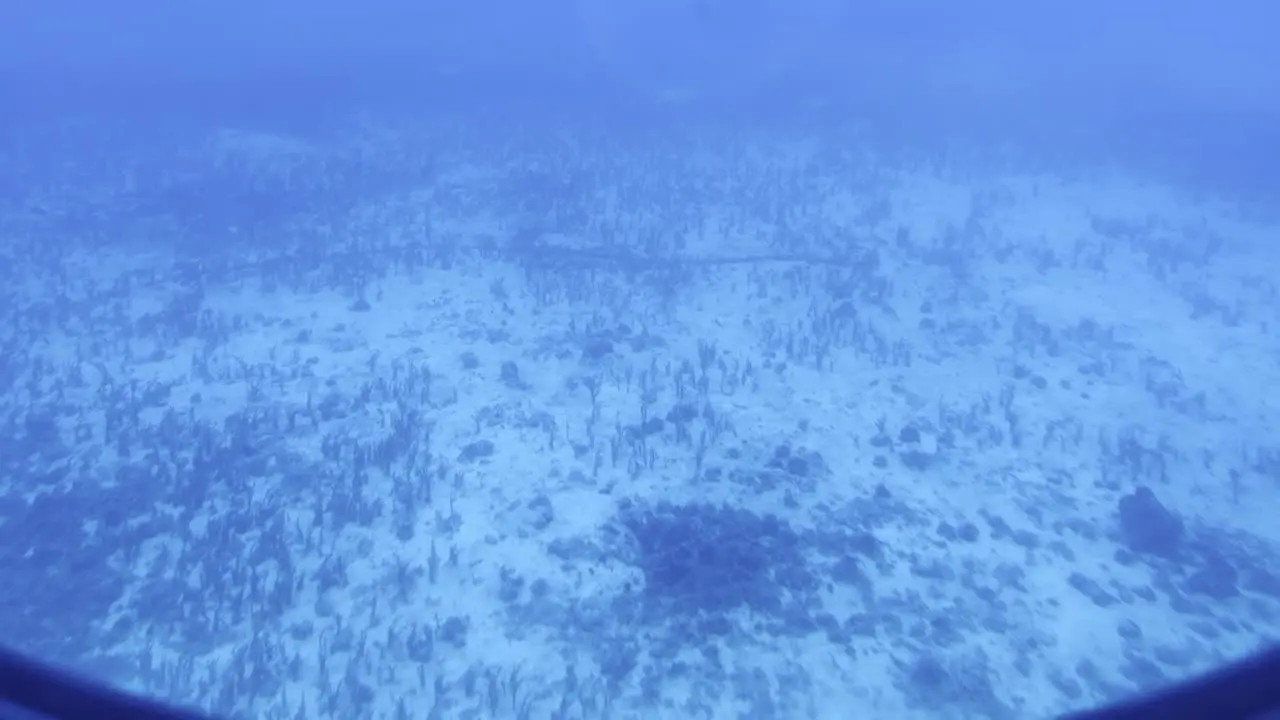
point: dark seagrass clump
(705, 558)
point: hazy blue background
(1185, 89)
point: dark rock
(652, 426)
(1217, 579)
(1147, 526)
(597, 349)
(1092, 590)
(682, 414)
(1205, 629)
(933, 570)
(475, 451)
(420, 645)
(510, 376)
(1010, 575)
(1000, 527)
(798, 466)
(1026, 539)
(538, 513)
(846, 571)
(454, 631)
(1129, 630)
(1067, 685)
(510, 586)
(1141, 671)
(916, 460)
(861, 624)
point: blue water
(683, 358)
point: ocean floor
(931, 443)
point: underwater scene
(619, 360)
